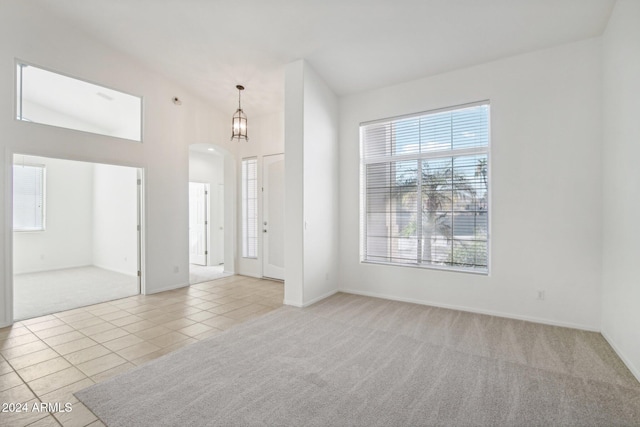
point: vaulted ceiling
(209, 46)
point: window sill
(431, 267)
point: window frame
(245, 225)
(43, 208)
(19, 101)
(420, 157)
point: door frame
(207, 221)
(8, 225)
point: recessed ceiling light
(211, 149)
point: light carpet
(359, 361)
(46, 292)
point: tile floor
(47, 359)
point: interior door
(198, 193)
(273, 217)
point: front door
(273, 217)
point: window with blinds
(28, 198)
(425, 189)
(250, 208)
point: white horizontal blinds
(250, 208)
(426, 189)
(28, 197)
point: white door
(273, 217)
(198, 193)
(220, 242)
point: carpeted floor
(202, 273)
(46, 292)
(360, 361)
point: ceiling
(209, 46)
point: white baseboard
(634, 369)
(313, 301)
(320, 298)
(168, 288)
(474, 310)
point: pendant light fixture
(239, 120)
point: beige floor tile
(143, 308)
(5, 368)
(222, 309)
(109, 373)
(178, 323)
(87, 354)
(195, 329)
(97, 328)
(73, 346)
(138, 350)
(151, 314)
(18, 341)
(40, 319)
(150, 333)
(65, 394)
(138, 326)
(100, 364)
(9, 380)
(208, 334)
(203, 315)
(127, 320)
(221, 322)
(24, 417)
(103, 310)
(21, 350)
(181, 344)
(114, 315)
(85, 323)
(123, 342)
(64, 338)
(21, 362)
(224, 300)
(20, 393)
(109, 335)
(47, 421)
(35, 327)
(66, 317)
(168, 339)
(97, 423)
(52, 332)
(79, 416)
(56, 381)
(151, 356)
(13, 331)
(42, 369)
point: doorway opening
(208, 258)
(76, 234)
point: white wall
(32, 35)
(621, 203)
(209, 169)
(68, 237)
(115, 218)
(294, 184)
(311, 205)
(321, 228)
(545, 187)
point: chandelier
(239, 120)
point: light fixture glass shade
(239, 120)
(239, 125)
